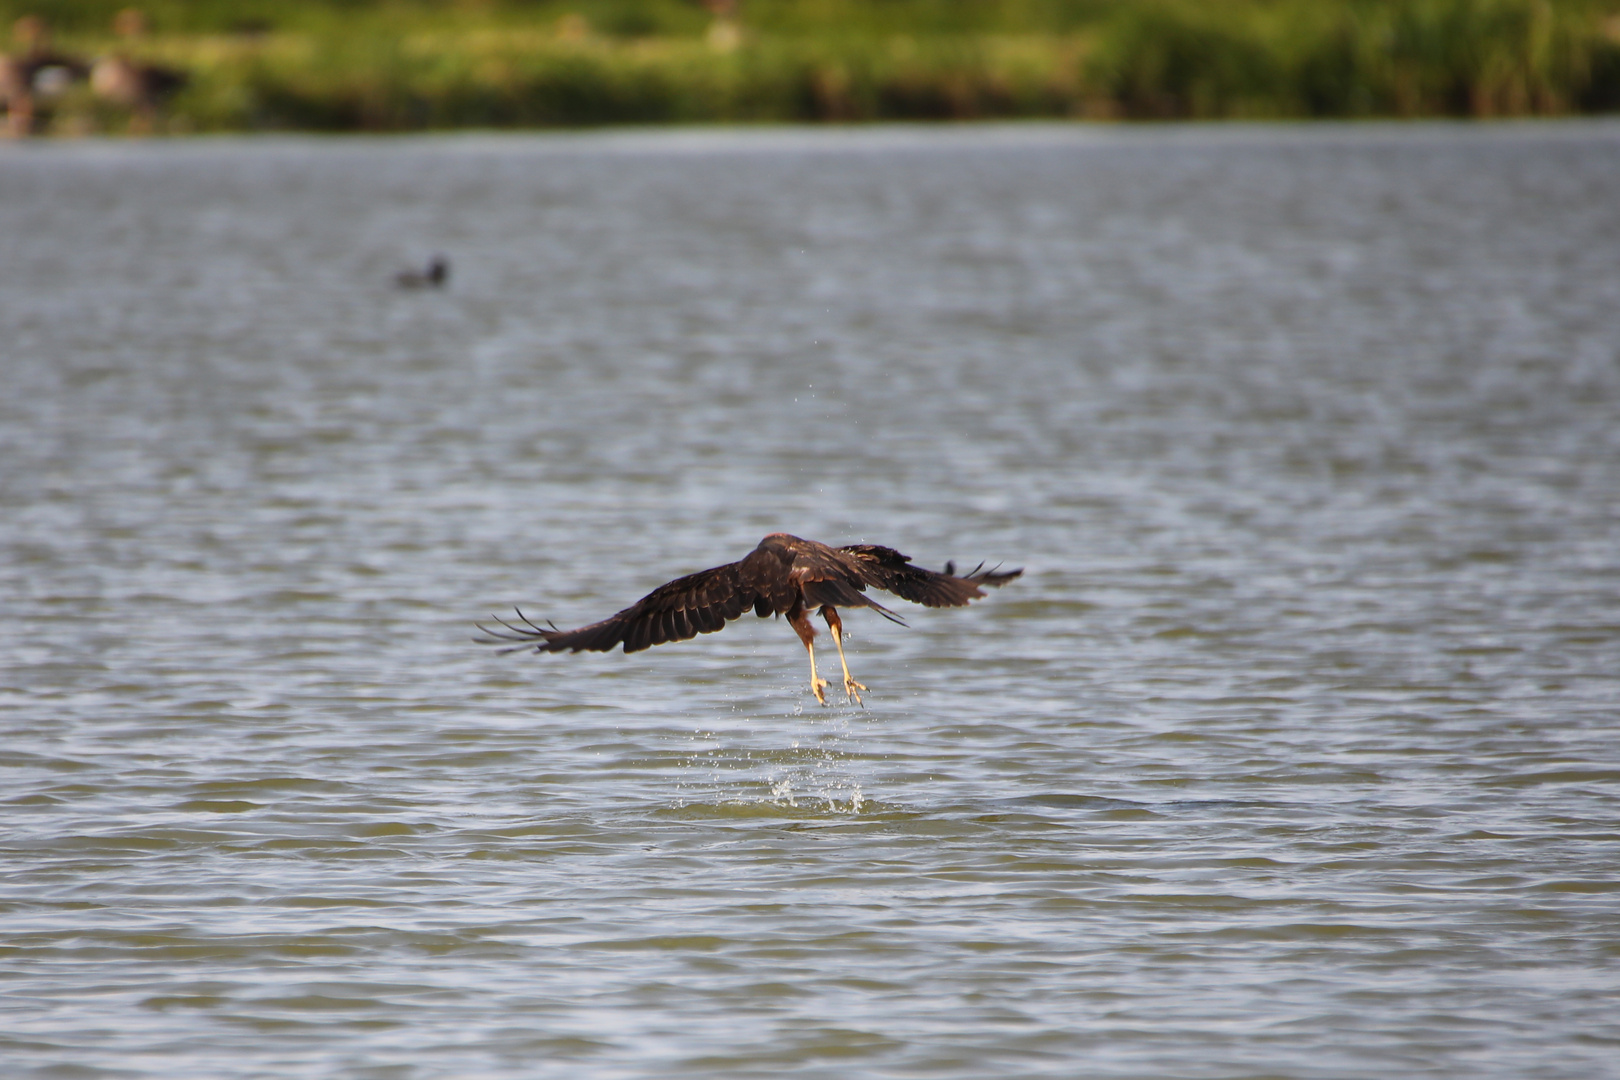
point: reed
(354, 65)
(1367, 58)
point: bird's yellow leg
(836, 625)
(817, 683)
(800, 621)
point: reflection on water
(1292, 753)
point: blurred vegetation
(399, 65)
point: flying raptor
(784, 575)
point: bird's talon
(850, 686)
(818, 686)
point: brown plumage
(784, 575)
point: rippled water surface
(1293, 754)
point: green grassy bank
(375, 65)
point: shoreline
(392, 70)
(789, 136)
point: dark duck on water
(434, 277)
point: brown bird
(140, 88)
(784, 575)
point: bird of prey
(784, 575)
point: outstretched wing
(696, 604)
(887, 569)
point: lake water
(1294, 753)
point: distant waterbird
(784, 575)
(34, 76)
(139, 87)
(434, 276)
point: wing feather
(698, 603)
(887, 569)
